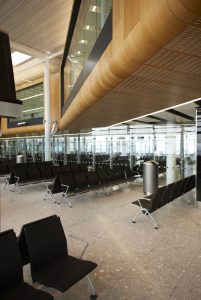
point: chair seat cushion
(146, 203)
(24, 291)
(63, 273)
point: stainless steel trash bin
(19, 159)
(150, 177)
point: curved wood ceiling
(170, 77)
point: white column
(182, 151)
(65, 150)
(78, 149)
(33, 150)
(170, 146)
(131, 152)
(94, 153)
(111, 153)
(154, 145)
(47, 120)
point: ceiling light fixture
(84, 42)
(19, 57)
(94, 8)
(34, 96)
(33, 109)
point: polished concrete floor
(135, 261)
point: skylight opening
(19, 57)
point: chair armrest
(143, 198)
(17, 178)
(65, 186)
(80, 240)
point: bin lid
(150, 162)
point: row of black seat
(77, 177)
(41, 243)
(163, 196)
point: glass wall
(128, 145)
(91, 19)
(33, 106)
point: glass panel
(32, 101)
(91, 19)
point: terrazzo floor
(135, 261)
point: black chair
(93, 180)
(34, 174)
(12, 286)
(3, 169)
(17, 177)
(68, 179)
(22, 243)
(149, 204)
(56, 170)
(57, 187)
(51, 265)
(66, 169)
(75, 168)
(81, 181)
(46, 171)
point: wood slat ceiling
(171, 77)
(39, 25)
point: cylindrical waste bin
(150, 177)
(19, 159)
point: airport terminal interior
(100, 149)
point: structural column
(78, 149)
(131, 153)
(65, 150)
(47, 120)
(154, 143)
(33, 150)
(170, 146)
(94, 153)
(111, 153)
(182, 152)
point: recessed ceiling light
(90, 28)
(19, 57)
(78, 52)
(95, 8)
(84, 42)
(30, 97)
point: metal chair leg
(92, 288)
(144, 212)
(67, 200)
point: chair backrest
(46, 242)
(68, 179)
(56, 170)
(168, 195)
(81, 180)
(57, 187)
(34, 173)
(157, 198)
(10, 262)
(66, 169)
(46, 171)
(93, 179)
(22, 174)
(22, 243)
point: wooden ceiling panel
(41, 25)
(169, 78)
